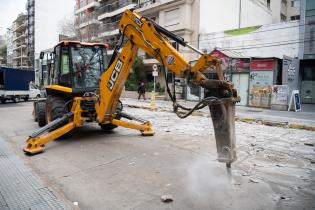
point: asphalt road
(123, 170)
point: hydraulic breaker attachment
(223, 117)
(36, 142)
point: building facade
(9, 38)
(307, 51)
(271, 40)
(284, 10)
(86, 20)
(19, 29)
(21, 39)
(30, 7)
(109, 15)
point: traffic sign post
(154, 74)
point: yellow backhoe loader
(85, 87)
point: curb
(239, 119)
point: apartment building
(19, 40)
(86, 20)
(30, 7)
(109, 14)
(9, 40)
(284, 10)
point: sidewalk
(304, 119)
(20, 188)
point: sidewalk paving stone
(20, 188)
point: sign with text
(261, 65)
(295, 101)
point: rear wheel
(41, 113)
(16, 99)
(3, 101)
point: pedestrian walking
(141, 91)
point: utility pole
(240, 14)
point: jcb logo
(115, 74)
(138, 22)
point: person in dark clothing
(141, 91)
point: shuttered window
(172, 17)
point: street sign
(155, 72)
(155, 67)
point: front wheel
(55, 107)
(40, 113)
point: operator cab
(78, 66)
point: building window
(283, 17)
(295, 17)
(295, 3)
(268, 4)
(172, 17)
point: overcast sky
(48, 15)
(9, 10)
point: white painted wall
(220, 15)
(273, 40)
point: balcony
(85, 6)
(147, 3)
(19, 28)
(115, 8)
(19, 56)
(108, 29)
(19, 36)
(19, 46)
(87, 20)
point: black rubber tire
(16, 99)
(41, 113)
(109, 127)
(25, 99)
(3, 101)
(55, 107)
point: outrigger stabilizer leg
(36, 142)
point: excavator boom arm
(141, 32)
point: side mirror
(41, 55)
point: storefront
(236, 69)
(307, 69)
(264, 72)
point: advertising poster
(260, 88)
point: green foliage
(132, 82)
(138, 69)
(158, 88)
